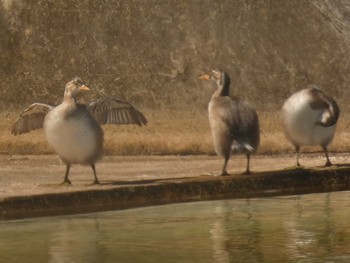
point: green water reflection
(307, 228)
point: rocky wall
(151, 52)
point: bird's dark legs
(328, 162)
(66, 180)
(94, 170)
(247, 171)
(224, 171)
(297, 149)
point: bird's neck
(68, 98)
(223, 89)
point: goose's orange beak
(83, 87)
(204, 77)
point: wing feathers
(31, 118)
(106, 110)
(109, 110)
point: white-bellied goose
(234, 123)
(73, 130)
(310, 118)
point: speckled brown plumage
(234, 123)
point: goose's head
(221, 78)
(74, 87)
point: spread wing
(31, 118)
(109, 110)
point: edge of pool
(201, 188)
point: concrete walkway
(29, 185)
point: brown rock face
(151, 52)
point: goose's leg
(247, 171)
(328, 162)
(297, 149)
(224, 171)
(66, 180)
(94, 170)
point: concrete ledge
(159, 192)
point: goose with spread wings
(73, 130)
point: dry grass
(167, 133)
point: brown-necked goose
(234, 123)
(310, 118)
(72, 129)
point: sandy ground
(29, 175)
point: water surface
(306, 228)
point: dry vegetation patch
(167, 133)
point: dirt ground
(24, 175)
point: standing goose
(73, 130)
(234, 124)
(310, 118)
